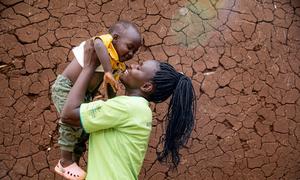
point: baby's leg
(66, 166)
(67, 139)
(80, 146)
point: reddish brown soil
(243, 57)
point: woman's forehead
(151, 64)
(150, 67)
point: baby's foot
(72, 171)
(65, 162)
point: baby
(112, 50)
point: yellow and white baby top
(116, 65)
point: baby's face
(127, 44)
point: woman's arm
(70, 114)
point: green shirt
(119, 133)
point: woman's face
(137, 75)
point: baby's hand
(109, 79)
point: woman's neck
(134, 92)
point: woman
(120, 127)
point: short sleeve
(106, 39)
(99, 115)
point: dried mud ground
(242, 55)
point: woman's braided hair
(181, 111)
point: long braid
(181, 111)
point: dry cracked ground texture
(242, 55)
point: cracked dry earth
(242, 55)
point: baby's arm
(104, 58)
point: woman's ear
(148, 87)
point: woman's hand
(90, 56)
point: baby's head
(126, 39)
